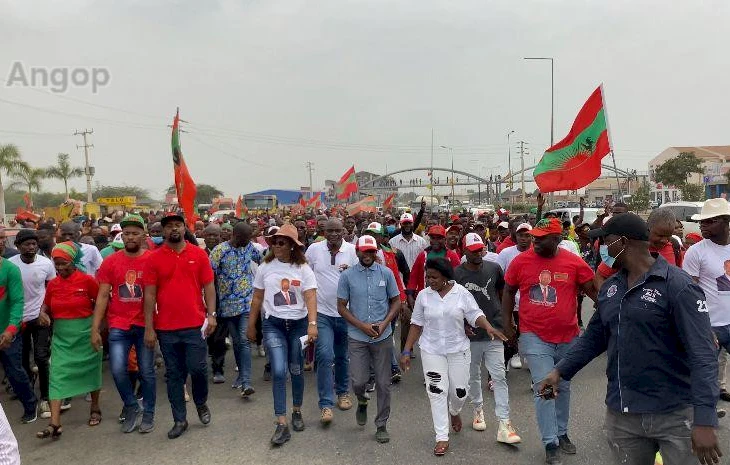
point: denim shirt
(368, 291)
(657, 335)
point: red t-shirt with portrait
(124, 275)
(548, 293)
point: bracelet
(406, 352)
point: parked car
(567, 214)
(684, 211)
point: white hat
(473, 242)
(713, 208)
(523, 227)
(367, 243)
(375, 227)
(406, 218)
(503, 224)
(115, 228)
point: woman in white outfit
(437, 324)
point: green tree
(675, 171)
(205, 193)
(120, 191)
(29, 178)
(692, 192)
(64, 171)
(640, 198)
(9, 162)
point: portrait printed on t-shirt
(543, 293)
(130, 291)
(285, 296)
(723, 281)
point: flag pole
(608, 132)
(615, 171)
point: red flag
(347, 184)
(316, 200)
(184, 184)
(239, 207)
(388, 204)
(367, 204)
(302, 203)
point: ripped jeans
(447, 382)
(284, 350)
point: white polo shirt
(319, 259)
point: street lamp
(451, 150)
(552, 94)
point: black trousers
(37, 340)
(217, 346)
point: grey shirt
(483, 285)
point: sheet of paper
(305, 342)
(203, 328)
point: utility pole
(89, 170)
(431, 202)
(310, 169)
(522, 168)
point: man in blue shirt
(374, 301)
(653, 323)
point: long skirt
(75, 367)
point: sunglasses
(280, 243)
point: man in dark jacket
(662, 361)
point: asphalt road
(240, 429)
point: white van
(684, 211)
(567, 214)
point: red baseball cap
(547, 226)
(438, 230)
(366, 243)
(473, 242)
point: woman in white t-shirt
(286, 289)
(437, 324)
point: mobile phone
(376, 328)
(547, 393)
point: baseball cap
(523, 227)
(406, 218)
(455, 227)
(375, 227)
(628, 225)
(132, 220)
(117, 243)
(170, 216)
(503, 224)
(366, 242)
(116, 227)
(455, 218)
(547, 226)
(437, 230)
(473, 242)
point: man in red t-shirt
(549, 279)
(174, 277)
(120, 300)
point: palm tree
(64, 171)
(9, 162)
(29, 177)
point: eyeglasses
(280, 243)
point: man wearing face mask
(652, 321)
(548, 278)
(156, 235)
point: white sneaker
(507, 434)
(44, 409)
(515, 361)
(262, 352)
(479, 424)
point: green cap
(132, 220)
(227, 227)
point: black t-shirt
(483, 285)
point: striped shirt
(411, 249)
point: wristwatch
(313, 323)
(212, 314)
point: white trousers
(447, 382)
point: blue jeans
(120, 343)
(281, 339)
(11, 359)
(237, 326)
(331, 349)
(553, 414)
(185, 352)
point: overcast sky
(268, 85)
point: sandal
(52, 431)
(441, 448)
(456, 423)
(95, 418)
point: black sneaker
(267, 372)
(361, 414)
(247, 391)
(566, 445)
(395, 377)
(281, 435)
(297, 422)
(552, 455)
(177, 429)
(381, 435)
(131, 418)
(148, 423)
(30, 417)
(203, 413)
(724, 395)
